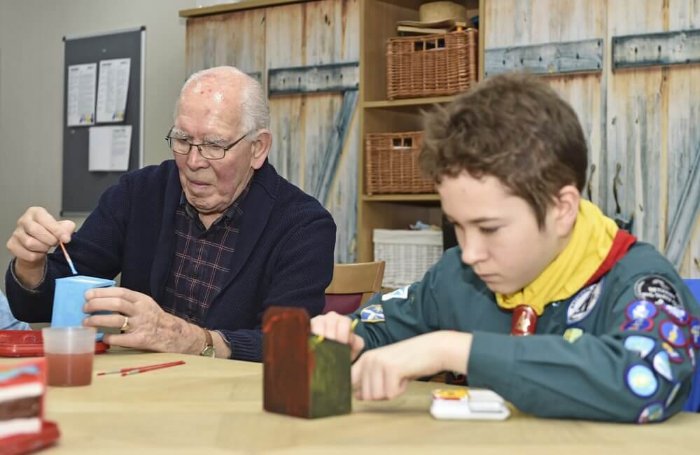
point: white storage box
(408, 254)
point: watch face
(208, 352)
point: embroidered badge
(672, 333)
(372, 313)
(657, 289)
(691, 355)
(401, 293)
(679, 315)
(641, 344)
(641, 381)
(694, 328)
(640, 325)
(572, 334)
(652, 413)
(673, 355)
(662, 365)
(583, 303)
(640, 309)
(672, 394)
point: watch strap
(208, 349)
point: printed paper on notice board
(110, 147)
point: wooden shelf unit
(379, 115)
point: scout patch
(652, 413)
(673, 355)
(672, 333)
(694, 328)
(583, 303)
(641, 381)
(641, 344)
(640, 325)
(372, 313)
(572, 334)
(672, 395)
(662, 365)
(401, 293)
(679, 315)
(691, 355)
(640, 309)
(658, 290)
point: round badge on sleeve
(673, 355)
(694, 328)
(657, 289)
(662, 365)
(640, 309)
(651, 413)
(641, 381)
(672, 333)
(583, 303)
(673, 394)
(679, 315)
(372, 313)
(641, 344)
(691, 355)
(639, 325)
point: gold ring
(125, 327)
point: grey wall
(31, 90)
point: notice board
(82, 187)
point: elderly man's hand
(36, 233)
(147, 327)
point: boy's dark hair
(513, 127)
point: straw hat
(438, 14)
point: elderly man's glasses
(207, 150)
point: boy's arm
(618, 371)
(384, 373)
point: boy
(545, 301)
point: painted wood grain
(323, 33)
(585, 56)
(236, 39)
(539, 22)
(647, 119)
(684, 129)
(656, 49)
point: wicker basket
(431, 65)
(391, 164)
(408, 254)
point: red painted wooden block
(302, 376)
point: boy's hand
(384, 373)
(334, 326)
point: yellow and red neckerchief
(595, 246)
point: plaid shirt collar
(231, 213)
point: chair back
(693, 403)
(352, 285)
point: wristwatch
(208, 349)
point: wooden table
(215, 406)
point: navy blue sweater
(284, 254)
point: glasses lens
(211, 152)
(179, 145)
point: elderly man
(204, 243)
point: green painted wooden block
(303, 376)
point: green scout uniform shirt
(593, 376)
